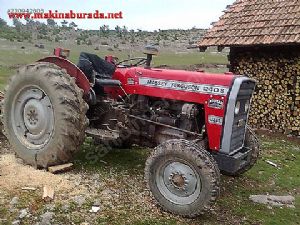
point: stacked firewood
(276, 102)
(1, 98)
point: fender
(72, 70)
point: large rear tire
(43, 115)
(183, 177)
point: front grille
(240, 119)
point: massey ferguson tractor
(195, 121)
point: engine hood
(187, 76)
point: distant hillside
(113, 38)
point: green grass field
(234, 203)
(12, 56)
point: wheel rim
(178, 182)
(32, 117)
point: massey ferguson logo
(215, 103)
(183, 86)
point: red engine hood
(187, 76)
(174, 84)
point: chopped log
(28, 188)
(48, 193)
(60, 168)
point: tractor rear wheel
(43, 115)
(183, 177)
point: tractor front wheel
(43, 115)
(183, 177)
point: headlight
(237, 107)
(247, 105)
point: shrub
(104, 43)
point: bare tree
(51, 23)
(64, 23)
(73, 25)
(17, 24)
(2, 23)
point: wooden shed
(264, 41)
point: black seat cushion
(91, 62)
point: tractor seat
(95, 67)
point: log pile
(1, 98)
(276, 102)
(1, 95)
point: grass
(190, 58)
(122, 170)
(5, 72)
(12, 56)
(234, 206)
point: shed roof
(256, 22)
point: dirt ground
(76, 192)
(15, 175)
(115, 184)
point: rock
(79, 200)
(106, 194)
(296, 148)
(95, 209)
(96, 177)
(96, 202)
(46, 218)
(65, 207)
(14, 201)
(16, 222)
(23, 213)
(274, 200)
(12, 210)
(50, 207)
(78, 182)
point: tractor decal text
(215, 103)
(215, 119)
(184, 86)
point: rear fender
(72, 70)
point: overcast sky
(137, 14)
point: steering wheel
(125, 63)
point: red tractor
(196, 121)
